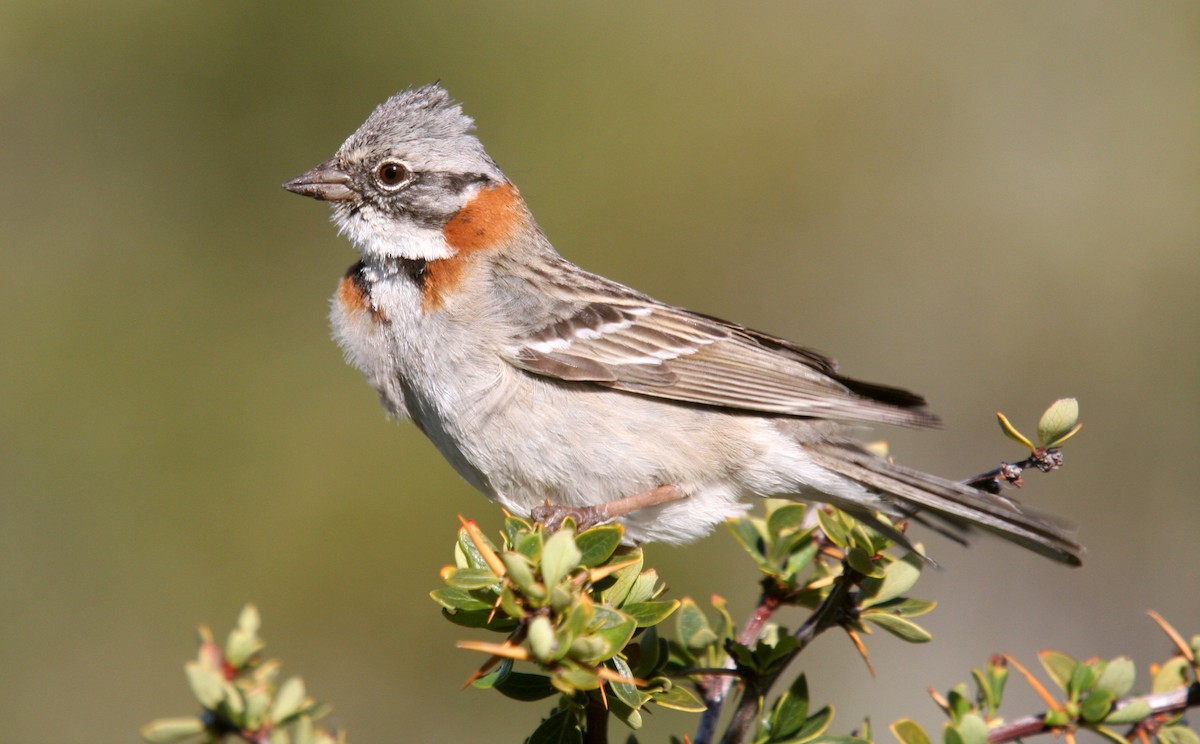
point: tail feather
(958, 506)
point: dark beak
(326, 182)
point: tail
(956, 505)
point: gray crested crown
(426, 128)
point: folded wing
(630, 342)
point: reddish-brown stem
(1160, 704)
(716, 685)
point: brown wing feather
(618, 338)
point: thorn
(482, 670)
(938, 700)
(596, 574)
(505, 650)
(835, 553)
(480, 542)
(862, 650)
(1184, 650)
(1042, 692)
(613, 675)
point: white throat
(378, 237)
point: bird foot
(552, 515)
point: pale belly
(522, 439)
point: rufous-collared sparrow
(543, 383)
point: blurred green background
(995, 204)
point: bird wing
(604, 333)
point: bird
(548, 387)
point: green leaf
(459, 599)
(624, 691)
(530, 546)
(790, 711)
(561, 727)
(460, 557)
(906, 607)
(258, 699)
(972, 729)
(631, 717)
(1129, 713)
(542, 642)
(1172, 675)
(1109, 735)
(560, 556)
(514, 528)
(862, 539)
(579, 618)
(170, 730)
(1118, 677)
(571, 678)
(692, 626)
(509, 603)
(1083, 677)
(472, 578)
(724, 627)
(959, 703)
(474, 558)
(647, 614)
(616, 594)
(520, 572)
(590, 649)
(645, 586)
(785, 519)
(897, 579)
(207, 685)
(679, 698)
(997, 676)
(288, 700)
(834, 525)
(652, 650)
(815, 725)
(561, 597)
(494, 676)
(1095, 706)
(305, 733)
(908, 731)
(615, 627)
(243, 641)
(1059, 422)
(860, 560)
(597, 544)
(749, 537)
(1177, 735)
(249, 621)
(898, 626)
(500, 622)
(800, 549)
(1011, 432)
(986, 693)
(1059, 666)
(526, 687)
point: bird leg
(552, 515)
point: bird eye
(392, 175)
